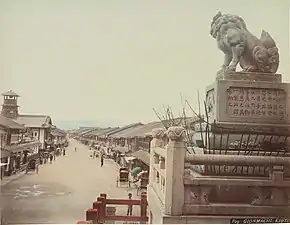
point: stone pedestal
(248, 114)
(249, 97)
(247, 101)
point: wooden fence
(98, 213)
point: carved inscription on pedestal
(256, 103)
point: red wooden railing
(98, 213)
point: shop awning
(21, 147)
(129, 158)
(143, 156)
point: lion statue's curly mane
(241, 46)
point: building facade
(16, 150)
(38, 127)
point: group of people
(45, 157)
(50, 156)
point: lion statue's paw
(231, 68)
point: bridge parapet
(186, 185)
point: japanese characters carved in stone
(240, 46)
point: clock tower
(10, 107)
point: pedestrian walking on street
(102, 160)
(75, 149)
(63, 151)
(51, 158)
(130, 206)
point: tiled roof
(124, 133)
(89, 131)
(9, 123)
(123, 128)
(10, 93)
(105, 131)
(179, 121)
(84, 130)
(142, 155)
(146, 129)
(35, 121)
(143, 130)
(57, 132)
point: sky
(114, 60)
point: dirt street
(61, 192)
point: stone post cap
(176, 133)
(158, 133)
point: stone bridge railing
(183, 190)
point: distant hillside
(75, 124)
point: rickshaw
(123, 176)
(32, 166)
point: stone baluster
(279, 196)
(155, 159)
(161, 166)
(161, 162)
(157, 135)
(174, 188)
(277, 173)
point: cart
(123, 176)
(32, 166)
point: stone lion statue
(240, 46)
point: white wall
(41, 137)
(38, 134)
(35, 133)
(1, 140)
(1, 137)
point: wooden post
(97, 205)
(103, 195)
(143, 208)
(102, 212)
(92, 215)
